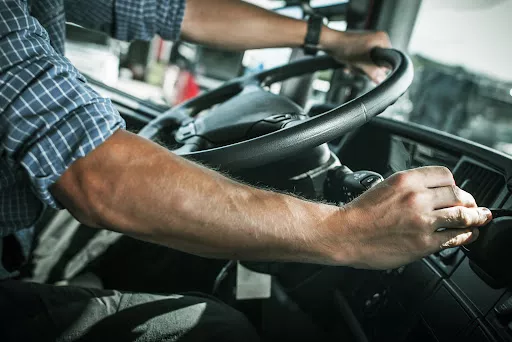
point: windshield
(460, 49)
(463, 71)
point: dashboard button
(278, 118)
(504, 308)
(369, 181)
(447, 256)
(186, 132)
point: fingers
(374, 39)
(376, 74)
(451, 196)
(379, 39)
(434, 176)
(461, 217)
(455, 237)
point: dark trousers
(38, 312)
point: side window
(463, 71)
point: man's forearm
(237, 25)
(136, 187)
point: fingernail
(486, 212)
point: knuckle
(463, 197)
(457, 194)
(451, 219)
(413, 199)
(463, 217)
(381, 35)
(418, 221)
(446, 171)
(401, 179)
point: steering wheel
(248, 126)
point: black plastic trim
(450, 143)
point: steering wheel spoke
(193, 144)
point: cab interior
(457, 113)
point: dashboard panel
(448, 295)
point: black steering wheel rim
(309, 133)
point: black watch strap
(312, 39)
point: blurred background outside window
(462, 85)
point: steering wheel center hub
(233, 120)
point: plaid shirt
(49, 116)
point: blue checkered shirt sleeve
(49, 116)
(129, 19)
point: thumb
(456, 237)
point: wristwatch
(312, 39)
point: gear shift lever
(343, 186)
(491, 252)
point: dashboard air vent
(482, 183)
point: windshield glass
(460, 49)
(463, 71)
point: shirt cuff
(72, 138)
